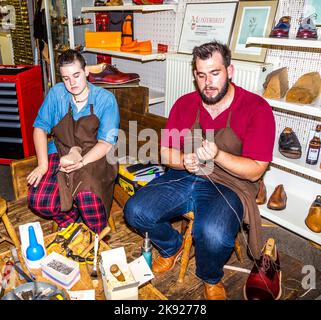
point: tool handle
(102, 235)
(96, 249)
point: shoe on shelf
(99, 3)
(313, 220)
(114, 3)
(282, 28)
(106, 73)
(73, 156)
(264, 281)
(162, 264)
(289, 144)
(277, 199)
(214, 291)
(307, 28)
(139, 46)
(261, 195)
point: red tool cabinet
(21, 95)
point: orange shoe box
(103, 39)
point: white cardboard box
(136, 273)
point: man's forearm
(241, 167)
(41, 146)
(172, 158)
(100, 149)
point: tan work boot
(162, 264)
(214, 291)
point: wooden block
(276, 84)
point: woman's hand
(72, 167)
(191, 162)
(36, 175)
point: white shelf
(156, 96)
(129, 55)
(293, 216)
(143, 8)
(308, 109)
(298, 165)
(285, 42)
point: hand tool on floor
(94, 271)
(102, 235)
(16, 260)
(63, 235)
(71, 237)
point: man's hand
(191, 163)
(72, 167)
(36, 175)
(208, 151)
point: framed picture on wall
(205, 22)
(313, 7)
(253, 19)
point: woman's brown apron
(226, 140)
(97, 177)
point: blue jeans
(215, 225)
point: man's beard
(221, 94)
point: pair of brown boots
(305, 90)
(277, 200)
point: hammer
(102, 235)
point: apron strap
(91, 108)
(228, 122)
(70, 108)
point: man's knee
(134, 213)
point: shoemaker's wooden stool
(188, 241)
(20, 170)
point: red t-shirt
(252, 121)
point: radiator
(180, 80)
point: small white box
(114, 289)
(60, 270)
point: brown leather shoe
(162, 264)
(261, 195)
(278, 199)
(313, 220)
(214, 291)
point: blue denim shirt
(55, 107)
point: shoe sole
(279, 294)
(276, 208)
(290, 155)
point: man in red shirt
(244, 133)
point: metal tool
(63, 235)
(16, 260)
(72, 235)
(94, 271)
(22, 273)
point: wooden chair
(13, 237)
(20, 170)
(188, 241)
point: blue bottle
(35, 251)
(147, 250)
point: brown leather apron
(97, 177)
(226, 140)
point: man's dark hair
(206, 50)
(69, 56)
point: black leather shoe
(289, 144)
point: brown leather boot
(278, 199)
(162, 264)
(261, 195)
(214, 291)
(313, 220)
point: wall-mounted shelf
(143, 8)
(316, 44)
(308, 109)
(298, 165)
(293, 216)
(129, 55)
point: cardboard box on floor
(136, 274)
